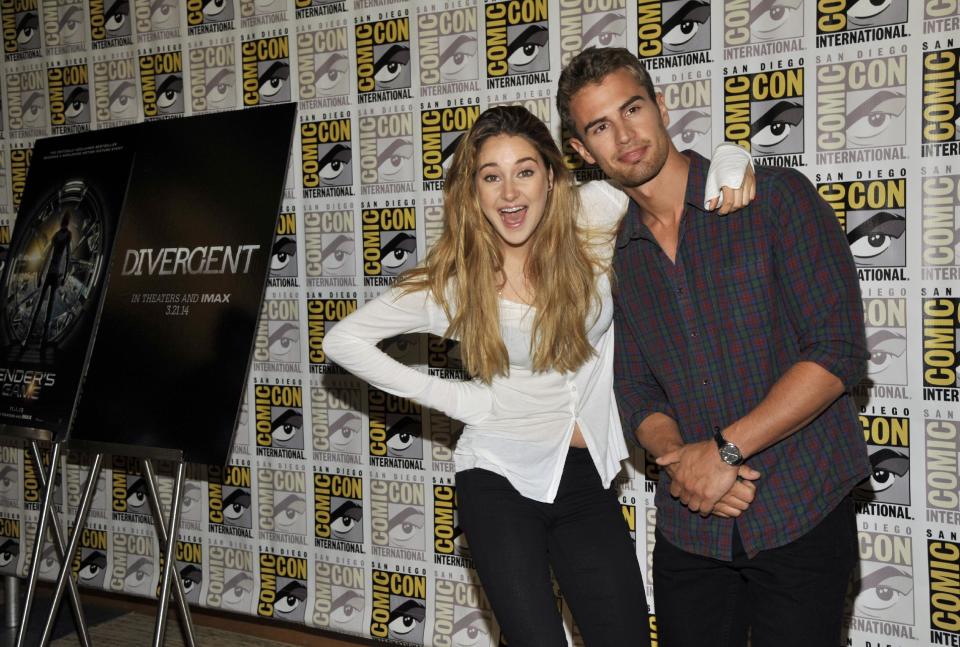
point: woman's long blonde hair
(462, 269)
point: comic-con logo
(9, 546)
(312, 8)
(336, 425)
(338, 511)
(132, 570)
(283, 254)
(213, 78)
(161, 84)
(873, 215)
(441, 130)
(9, 477)
(283, 587)
(846, 22)
(188, 562)
(586, 24)
(323, 66)
(386, 153)
(389, 242)
(883, 588)
(78, 468)
(396, 431)
(282, 505)
(278, 420)
(64, 26)
(110, 24)
(19, 164)
(397, 519)
(115, 92)
(277, 344)
(326, 154)
(943, 563)
(321, 314)
(941, 224)
(229, 501)
(449, 51)
(69, 90)
(861, 105)
(449, 543)
(383, 60)
(208, 16)
(399, 606)
(157, 20)
(885, 319)
(518, 43)
(941, 353)
(751, 26)
(690, 121)
(129, 491)
(763, 112)
(673, 28)
(330, 242)
(339, 597)
(266, 70)
(888, 444)
(90, 561)
(230, 578)
(942, 470)
(27, 103)
(462, 615)
(941, 74)
(21, 29)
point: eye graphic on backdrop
(888, 467)
(290, 597)
(69, 24)
(8, 480)
(163, 14)
(447, 153)
(33, 110)
(191, 498)
(237, 589)
(169, 93)
(885, 347)
(345, 433)
(689, 129)
(345, 522)
(392, 69)
(288, 514)
(606, 32)
(28, 34)
(283, 254)
(9, 551)
(48, 561)
(456, 59)
(882, 590)
(398, 254)
(138, 573)
(776, 19)
(274, 81)
(346, 608)
(406, 528)
(471, 630)
(116, 15)
(406, 617)
(770, 134)
(137, 493)
(77, 102)
(336, 255)
(123, 102)
(333, 164)
(528, 51)
(236, 505)
(220, 90)
(684, 26)
(216, 10)
(868, 13)
(286, 428)
(191, 577)
(332, 73)
(402, 436)
(393, 164)
(878, 121)
(92, 566)
(283, 344)
(875, 235)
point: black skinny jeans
(582, 536)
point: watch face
(730, 454)
(55, 266)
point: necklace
(507, 281)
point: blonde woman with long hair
(520, 277)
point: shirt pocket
(739, 294)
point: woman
(523, 284)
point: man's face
(623, 129)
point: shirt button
(679, 290)
(706, 381)
(694, 334)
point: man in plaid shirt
(738, 340)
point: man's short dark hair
(591, 66)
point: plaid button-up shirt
(703, 339)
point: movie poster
(55, 272)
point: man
(738, 341)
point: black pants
(788, 596)
(582, 535)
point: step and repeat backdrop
(337, 509)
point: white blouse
(520, 425)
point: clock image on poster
(54, 266)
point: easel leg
(65, 568)
(173, 527)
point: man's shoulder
(782, 178)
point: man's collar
(633, 227)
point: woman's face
(512, 184)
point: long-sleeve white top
(520, 425)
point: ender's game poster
(54, 274)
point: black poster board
(191, 259)
(54, 274)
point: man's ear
(662, 107)
(582, 150)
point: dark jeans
(785, 596)
(582, 535)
